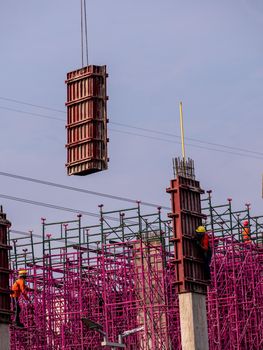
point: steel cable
(86, 31)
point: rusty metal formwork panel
(186, 217)
(4, 270)
(87, 120)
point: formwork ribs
(87, 120)
(186, 217)
(4, 269)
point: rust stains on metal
(87, 120)
(186, 217)
(4, 269)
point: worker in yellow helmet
(19, 289)
(202, 241)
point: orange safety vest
(246, 235)
(205, 242)
(18, 288)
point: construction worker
(202, 241)
(19, 289)
(246, 232)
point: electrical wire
(48, 205)
(76, 189)
(31, 114)
(57, 207)
(125, 125)
(188, 144)
(187, 138)
(28, 235)
(153, 137)
(31, 104)
(22, 233)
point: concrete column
(4, 337)
(193, 321)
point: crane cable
(84, 33)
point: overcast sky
(206, 53)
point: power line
(188, 144)
(29, 113)
(126, 125)
(48, 205)
(155, 138)
(76, 189)
(31, 105)
(187, 138)
(28, 235)
(57, 207)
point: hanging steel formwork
(87, 120)
(120, 274)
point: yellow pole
(182, 129)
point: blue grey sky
(206, 53)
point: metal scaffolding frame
(235, 297)
(114, 273)
(120, 274)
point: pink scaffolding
(120, 275)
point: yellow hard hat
(200, 229)
(22, 272)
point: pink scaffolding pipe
(127, 285)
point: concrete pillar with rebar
(188, 261)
